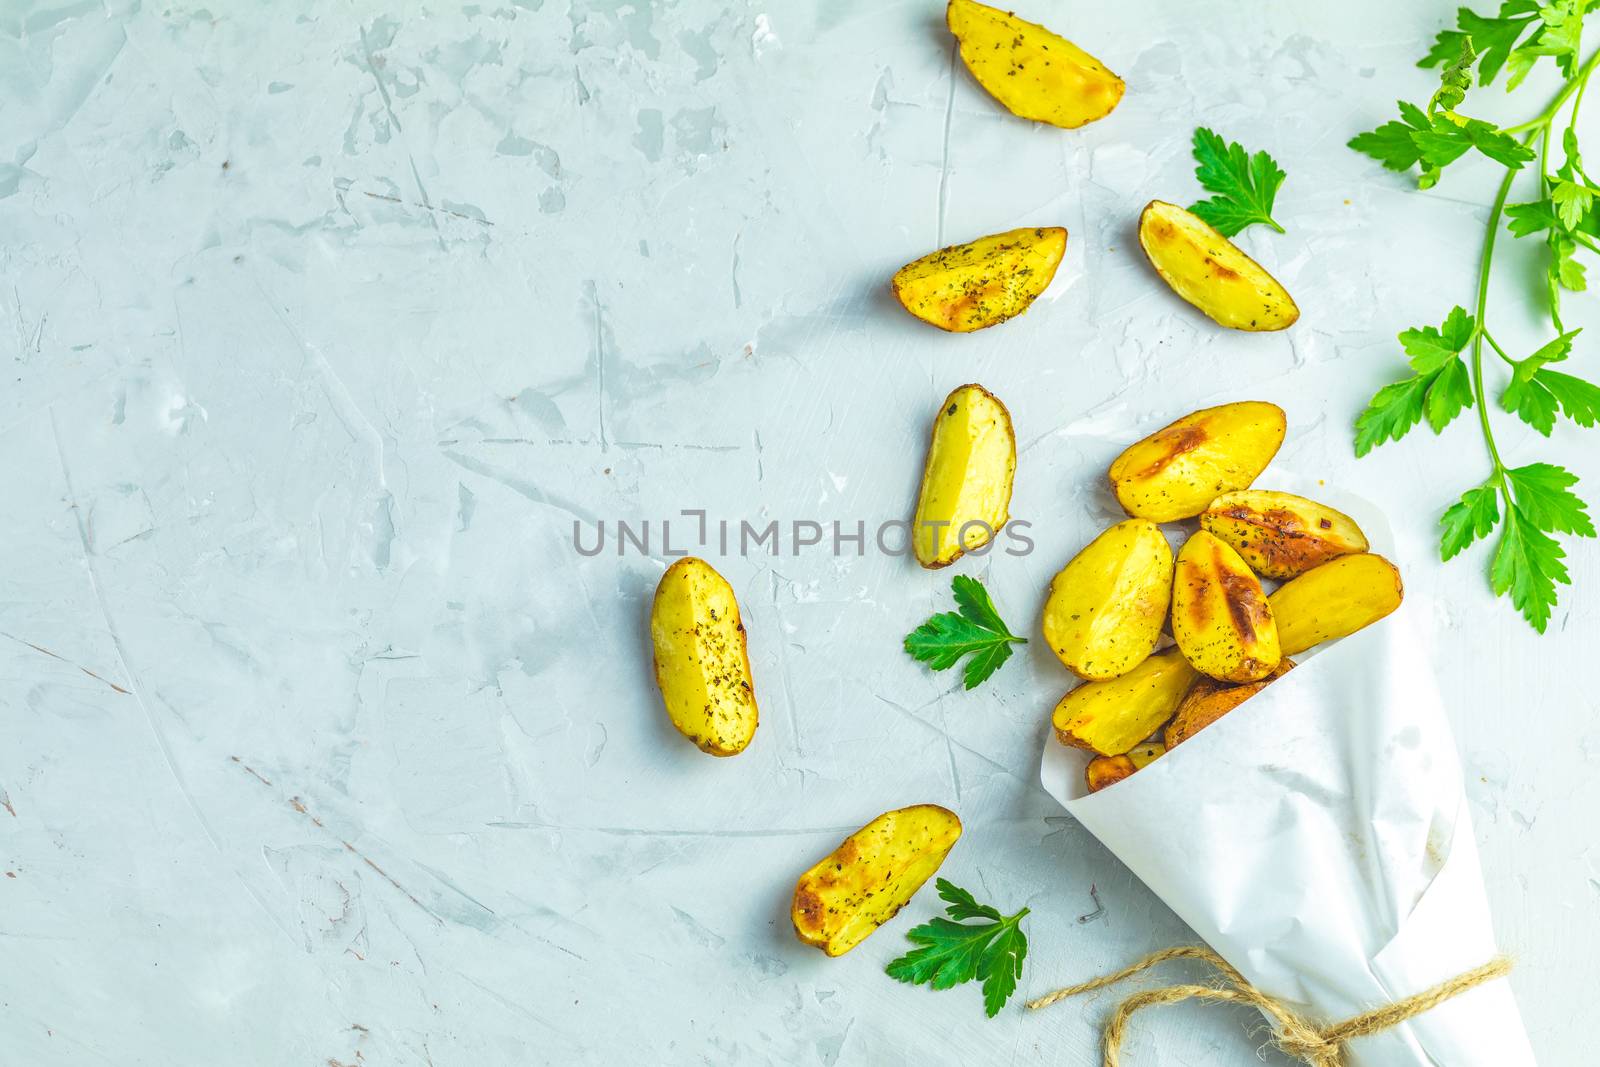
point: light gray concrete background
(318, 743)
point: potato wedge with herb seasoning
(1221, 618)
(966, 482)
(862, 884)
(981, 283)
(1106, 607)
(1111, 717)
(1210, 700)
(1109, 770)
(701, 663)
(1279, 534)
(1033, 72)
(1181, 468)
(1211, 272)
(1335, 600)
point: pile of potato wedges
(1039, 75)
(1110, 607)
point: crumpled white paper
(1318, 838)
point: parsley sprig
(955, 951)
(977, 630)
(1245, 184)
(1531, 503)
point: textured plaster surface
(319, 329)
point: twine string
(1296, 1036)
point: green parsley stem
(1499, 475)
(1545, 117)
(1496, 346)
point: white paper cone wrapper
(1318, 838)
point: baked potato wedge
(1107, 605)
(966, 482)
(1210, 700)
(1279, 534)
(1335, 600)
(1033, 72)
(1111, 717)
(1109, 770)
(1221, 618)
(1182, 467)
(1211, 272)
(701, 662)
(860, 885)
(981, 283)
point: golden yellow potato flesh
(1181, 468)
(1210, 272)
(1103, 771)
(1033, 72)
(981, 283)
(1335, 600)
(1112, 717)
(1210, 700)
(1106, 607)
(1221, 618)
(701, 663)
(966, 482)
(862, 884)
(1279, 534)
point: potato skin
(1104, 771)
(701, 662)
(1221, 618)
(1281, 535)
(1035, 73)
(860, 885)
(982, 283)
(1111, 717)
(1211, 272)
(1182, 467)
(1210, 700)
(1335, 600)
(1107, 605)
(972, 457)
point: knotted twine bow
(1319, 1046)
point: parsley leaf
(1440, 388)
(1494, 37)
(1472, 518)
(977, 629)
(1528, 395)
(1246, 185)
(1544, 496)
(1391, 144)
(1528, 565)
(955, 952)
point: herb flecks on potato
(1210, 700)
(1279, 534)
(1181, 468)
(1335, 600)
(1211, 272)
(1107, 606)
(966, 482)
(1035, 73)
(871, 875)
(1103, 771)
(981, 283)
(1111, 717)
(1221, 618)
(701, 662)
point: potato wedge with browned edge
(1221, 618)
(1107, 605)
(1211, 272)
(1335, 600)
(1109, 770)
(1279, 534)
(861, 884)
(981, 283)
(1210, 700)
(966, 482)
(1113, 716)
(1032, 71)
(701, 663)
(1182, 467)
